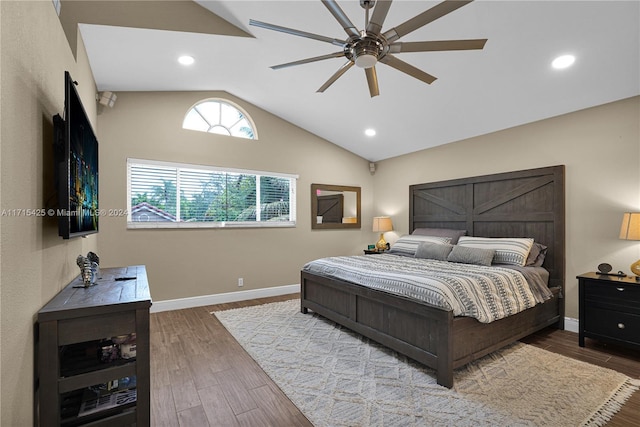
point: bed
(527, 203)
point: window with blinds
(172, 195)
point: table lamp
(381, 224)
(630, 230)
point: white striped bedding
(484, 293)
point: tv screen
(76, 148)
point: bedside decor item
(382, 224)
(630, 230)
(604, 268)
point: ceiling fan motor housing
(366, 51)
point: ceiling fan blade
(336, 76)
(424, 18)
(372, 81)
(409, 69)
(293, 32)
(340, 16)
(379, 14)
(439, 45)
(308, 60)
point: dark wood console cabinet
(78, 321)
(609, 309)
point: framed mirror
(334, 207)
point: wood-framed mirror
(335, 207)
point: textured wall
(34, 262)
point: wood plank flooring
(200, 376)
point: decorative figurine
(89, 268)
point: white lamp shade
(630, 229)
(382, 224)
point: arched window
(222, 117)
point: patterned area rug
(338, 378)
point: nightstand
(372, 252)
(609, 309)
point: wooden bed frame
(528, 203)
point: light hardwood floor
(200, 376)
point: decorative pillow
(468, 255)
(508, 250)
(440, 232)
(435, 251)
(536, 255)
(407, 244)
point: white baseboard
(179, 304)
(571, 325)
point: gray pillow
(407, 244)
(433, 251)
(509, 250)
(451, 233)
(468, 255)
(536, 255)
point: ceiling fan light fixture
(365, 52)
(366, 60)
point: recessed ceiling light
(186, 60)
(370, 132)
(563, 61)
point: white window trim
(210, 224)
(254, 129)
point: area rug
(339, 378)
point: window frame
(221, 101)
(210, 224)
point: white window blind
(174, 195)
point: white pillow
(407, 244)
(509, 250)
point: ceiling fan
(368, 47)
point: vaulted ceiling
(134, 46)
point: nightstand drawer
(613, 324)
(615, 293)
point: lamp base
(635, 269)
(381, 245)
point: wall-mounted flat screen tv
(76, 158)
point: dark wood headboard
(527, 203)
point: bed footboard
(418, 330)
